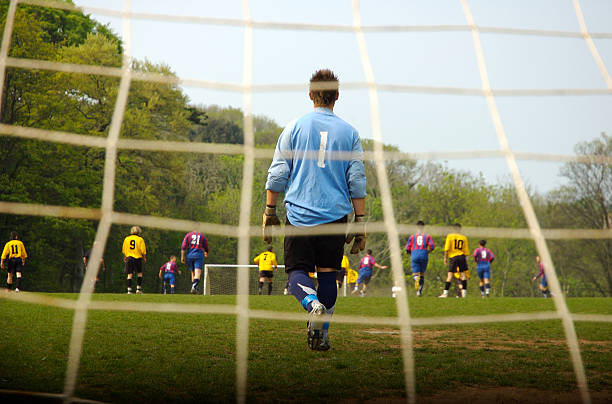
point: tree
(585, 202)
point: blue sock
(328, 293)
(302, 287)
(196, 281)
(171, 289)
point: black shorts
(306, 252)
(14, 265)
(457, 261)
(266, 274)
(133, 265)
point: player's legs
(18, 282)
(129, 270)
(172, 282)
(461, 262)
(195, 261)
(418, 264)
(329, 251)
(544, 287)
(260, 285)
(138, 270)
(9, 281)
(447, 285)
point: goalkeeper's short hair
(136, 230)
(324, 87)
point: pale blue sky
(414, 122)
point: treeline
(206, 187)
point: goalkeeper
(267, 265)
(318, 163)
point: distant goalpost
(222, 279)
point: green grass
(161, 357)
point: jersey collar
(323, 110)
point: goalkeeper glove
(269, 219)
(358, 233)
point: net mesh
(244, 231)
(222, 279)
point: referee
(318, 164)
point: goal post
(222, 279)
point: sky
(414, 122)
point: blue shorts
(418, 264)
(195, 260)
(169, 278)
(365, 275)
(544, 281)
(484, 272)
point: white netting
(107, 216)
(222, 279)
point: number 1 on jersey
(321, 162)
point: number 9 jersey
(134, 246)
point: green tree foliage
(208, 187)
(585, 202)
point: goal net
(222, 279)
(242, 280)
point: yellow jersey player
(456, 250)
(345, 266)
(16, 254)
(135, 253)
(267, 265)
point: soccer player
(345, 267)
(167, 273)
(15, 252)
(318, 163)
(419, 246)
(455, 251)
(351, 278)
(267, 266)
(135, 253)
(543, 283)
(484, 257)
(86, 261)
(366, 266)
(195, 249)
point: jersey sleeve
(204, 243)
(278, 173)
(124, 247)
(274, 263)
(5, 251)
(447, 243)
(256, 259)
(492, 256)
(143, 247)
(430, 243)
(466, 248)
(24, 254)
(355, 175)
(409, 245)
(184, 243)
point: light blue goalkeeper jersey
(318, 162)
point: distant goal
(222, 279)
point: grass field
(162, 357)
